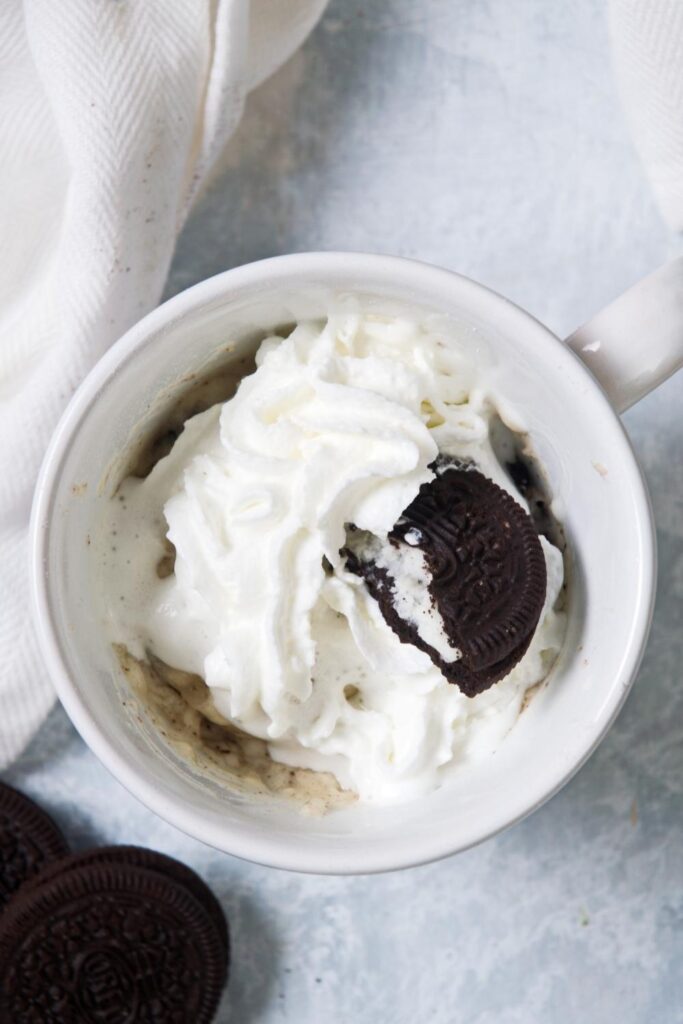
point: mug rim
(495, 310)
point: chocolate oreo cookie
(109, 942)
(150, 860)
(29, 840)
(488, 574)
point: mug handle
(636, 342)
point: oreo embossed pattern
(488, 574)
(118, 933)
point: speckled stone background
(484, 135)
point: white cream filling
(410, 579)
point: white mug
(572, 416)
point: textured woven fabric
(647, 44)
(111, 114)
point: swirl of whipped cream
(337, 426)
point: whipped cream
(337, 426)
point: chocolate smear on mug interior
(487, 574)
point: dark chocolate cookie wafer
(151, 860)
(29, 839)
(109, 942)
(488, 575)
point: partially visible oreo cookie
(488, 574)
(29, 840)
(110, 942)
(151, 860)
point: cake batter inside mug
(534, 405)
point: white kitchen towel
(111, 114)
(647, 46)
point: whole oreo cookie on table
(29, 840)
(488, 574)
(151, 860)
(110, 942)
